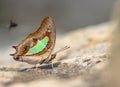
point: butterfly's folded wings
(37, 46)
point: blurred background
(28, 14)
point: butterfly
(37, 47)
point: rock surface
(77, 66)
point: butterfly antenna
(62, 49)
(54, 55)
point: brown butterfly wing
(48, 29)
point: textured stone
(88, 54)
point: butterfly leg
(53, 56)
(32, 68)
(35, 67)
(42, 61)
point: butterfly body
(36, 48)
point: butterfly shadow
(45, 66)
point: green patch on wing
(41, 44)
